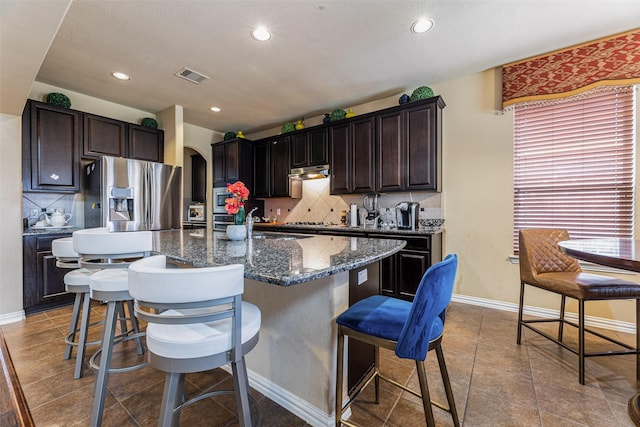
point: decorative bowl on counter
(432, 224)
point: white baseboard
(12, 317)
(592, 321)
(289, 401)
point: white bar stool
(77, 282)
(197, 321)
(112, 252)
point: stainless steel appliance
(407, 215)
(131, 195)
(220, 216)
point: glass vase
(239, 217)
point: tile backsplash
(34, 203)
(317, 205)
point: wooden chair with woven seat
(544, 266)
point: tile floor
(495, 381)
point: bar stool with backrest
(544, 266)
(77, 282)
(197, 321)
(113, 252)
(410, 329)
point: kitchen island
(301, 284)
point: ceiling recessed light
(120, 76)
(422, 26)
(261, 34)
(216, 109)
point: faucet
(249, 216)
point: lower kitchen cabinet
(400, 274)
(42, 281)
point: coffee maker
(407, 215)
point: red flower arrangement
(235, 205)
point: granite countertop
(49, 230)
(348, 230)
(280, 258)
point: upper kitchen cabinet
(351, 146)
(272, 163)
(145, 143)
(232, 161)
(50, 148)
(409, 146)
(104, 136)
(309, 147)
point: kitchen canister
(353, 215)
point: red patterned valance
(610, 61)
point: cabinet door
(51, 152)
(391, 158)
(50, 277)
(318, 147)
(388, 274)
(146, 143)
(198, 178)
(421, 133)
(411, 267)
(362, 155)
(280, 166)
(219, 165)
(340, 160)
(103, 136)
(232, 161)
(262, 172)
(300, 150)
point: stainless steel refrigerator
(132, 195)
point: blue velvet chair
(410, 329)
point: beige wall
(10, 215)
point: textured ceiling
(323, 54)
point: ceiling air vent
(192, 76)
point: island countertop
(280, 258)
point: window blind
(574, 164)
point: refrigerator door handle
(148, 190)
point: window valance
(613, 60)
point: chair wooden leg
(520, 309)
(73, 325)
(638, 339)
(447, 386)
(424, 390)
(339, 377)
(240, 385)
(581, 341)
(171, 395)
(563, 301)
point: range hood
(310, 172)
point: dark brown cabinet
(261, 169)
(401, 273)
(43, 282)
(280, 166)
(309, 147)
(198, 178)
(145, 143)
(104, 136)
(409, 145)
(50, 148)
(232, 161)
(351, 147)
(272, 162)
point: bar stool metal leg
(447, 386)
(73, 325)
(424, 391)
(84, 330)
(241, 387)
(339, 377)
(100, 387)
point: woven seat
(545, 266)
